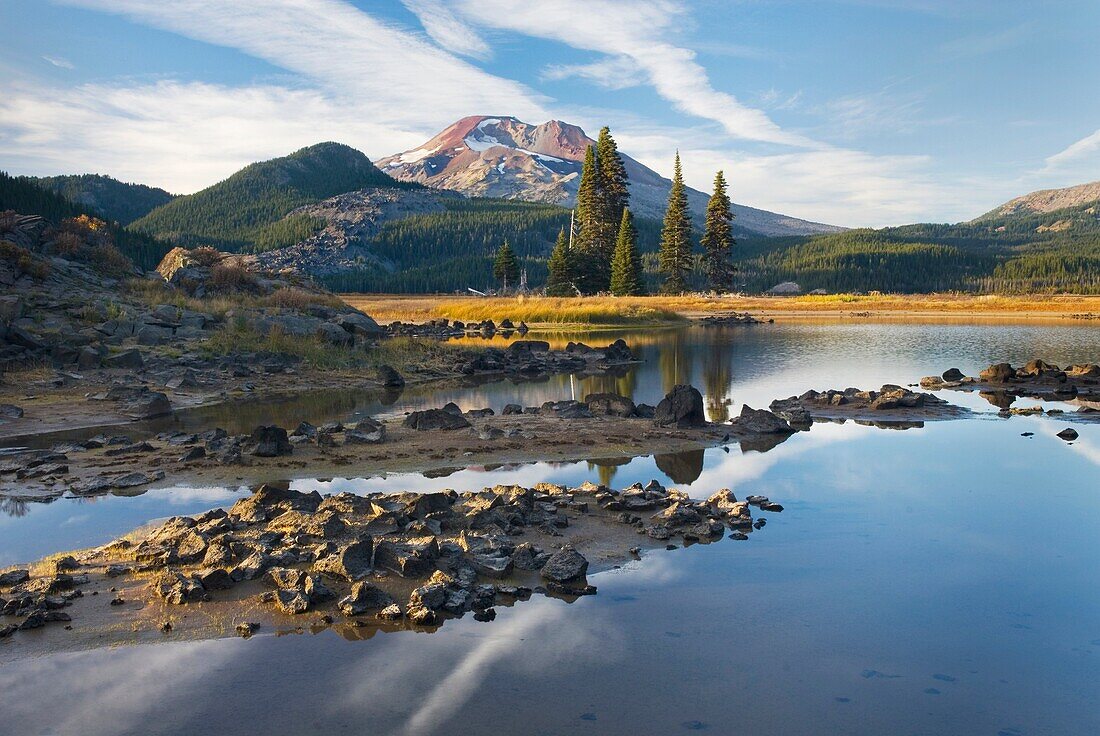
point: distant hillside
(23, 195)
(111, 198)
(506, 158)
(1033, 252)
(1046, 201)
(247, 210)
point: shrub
(231, 276)
(207, 256)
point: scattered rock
(682, 407)
(1069, 434)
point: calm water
(938, 580)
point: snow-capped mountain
(485, 156)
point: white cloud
(1082, 153)
(393, 75)
(182, 137)
(447, 30)
(613, 72)
(834, 185)
(59, 61)
(635, 30)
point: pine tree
(614, 194)
(506, 267)
(626, 265)
(559, 280)
(586, 245)
(718, 238)
(675, 254)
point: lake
(936, 580)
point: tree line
(600, 251)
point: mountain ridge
(1045, 201)
(249, 207)
(122, 202)
(503, 157)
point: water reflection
(902, 591)
(752, 364)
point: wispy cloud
(59, 62)
(397, 75)
(613, 72)
(1085, 151)
(182, 136)
(447, 30)
(637, 31)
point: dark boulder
(389, 377)
(435, 419)
(270, 441)
(610, 405)
(126, 359)
(565, 565)
(762, 421)
(1069, 434)
(953, 374)
(147, 405)
(682, 407)
(998, 373)
(618, 352)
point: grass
(590, 311)
(628, 311)
(155, 293)
(405, 354)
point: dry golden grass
(624, 311)
(597, 311)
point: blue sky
(854, 112)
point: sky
(850, 112)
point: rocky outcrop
(682, 407)
(448, 553)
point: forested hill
(113, 199)
(24, 196)
(1034, 252)
(453, 249)
(246, 211)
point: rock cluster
(800, 410)
(460, 552)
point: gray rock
(126, 359)
(365, 597)
(176, 588)
(358, 323)
(682, 407)
(10, 411)
(270, 441)
(148, 405)
(1069, 434)
(953, 374)
(14, 577)
(334, 334)
(430, 419)
(610, 405)
(350, 562)
(762, 421)
(293, 602)
(565, 565)
(389, 377)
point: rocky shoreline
(1001, 384)
(284, 559)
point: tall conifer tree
(506, 267)
(626, 265)
(718, 238)
(559, 279)
(586, 245)
(675, 254)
